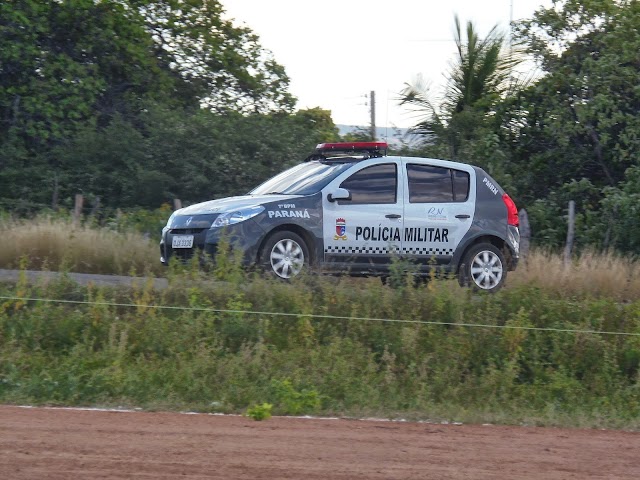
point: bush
(260, 412)
(331, 347)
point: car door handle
(393, 215)
(463, 216)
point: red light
(512, 210)
(352, 146)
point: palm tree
(479, 76)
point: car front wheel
(483, 268)
(285, 255)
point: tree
(586, 107)
(580, 123)
(68, 67)
(166, 153)
(477, 79)
(220, 64)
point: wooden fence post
(177, 204)
(570, 232)
(96, 206)
(77, 211)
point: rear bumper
(513, 242)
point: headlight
(238, 216)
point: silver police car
(350, 208)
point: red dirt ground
(39, 443)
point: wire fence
(318, 316)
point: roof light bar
(374, 149)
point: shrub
(260, 412)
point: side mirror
(339, 194)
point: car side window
(460, 185)
(377, 184)
(431, 184)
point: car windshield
(304, 179)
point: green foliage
(578, 124)
(259, 412)
(148, 222)
(569, 134)
(81, 85)
(165, 154)
(620, 212)
(292, 401)
(213, 351)
(477, 78)
(401, 271)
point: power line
(318, 316)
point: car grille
(187, 231)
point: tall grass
(59, 244)
(120, 248)
(590, 273)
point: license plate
(182, 241)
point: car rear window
(432, 184)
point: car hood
(230, 204)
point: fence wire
(318, 316)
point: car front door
(364, 231)
(438, 209)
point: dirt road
(38, 443)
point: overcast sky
(336, 51)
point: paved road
(81, 278)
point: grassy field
(533, 353)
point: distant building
(394, 136)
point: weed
(259, 412)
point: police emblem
(341, 229)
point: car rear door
(438, 208)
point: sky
(336, 52)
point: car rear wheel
(483, 268)
(285, 255)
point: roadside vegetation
(144, 125)
(126, 244)
(230, 341)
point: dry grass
(57, 244)
(590, 274)
(60, 245)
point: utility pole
(372, 102)
(511, 30)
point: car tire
(284, 255)
(483, 268)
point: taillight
(512, 210)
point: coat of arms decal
(341, 229)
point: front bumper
(245, 236)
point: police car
(350, 208)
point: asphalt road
(34, 276)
